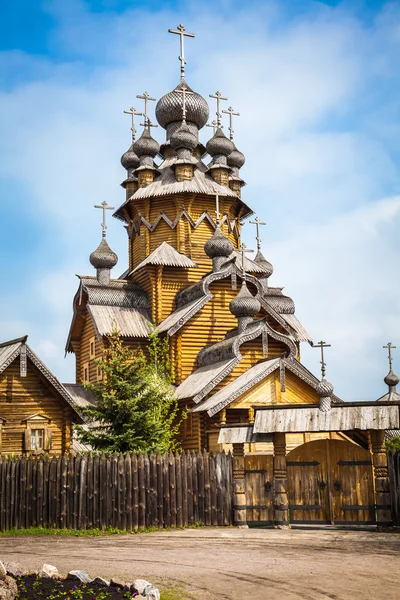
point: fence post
(239, 487)
(281, 504)
(383, 510)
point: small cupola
(245, 306)
(103, 258)
(218, 248)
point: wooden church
(234, 339)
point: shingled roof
(167, 256)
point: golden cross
(218, 97)
(243, 250)
(322, 345)
(390, 347)
(104, 206)
(257, 222)
(133, 112)
(146, 97)
(231, 114)
(181, 31)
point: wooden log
(64, 492)
(172, 489)
(77, 471)
(29, 494)
(167, 514)
(147, 490)
(109, 493)
(96, 491)
(58, 491)
(121, 493)
(195, 480)
(185, 520)
(70, 491)
(207, 490)
(190, 476)
(52, 486)
(219, 474)
(89, 491)
(200, 493)
(228, 487)
(103, 508)
(213, 490)
(178, 480)
(128, 492)
(13, 492)
(39, 492)
(160, 490)
(22, 504)
(3, 494)
(135, 493)
(153, 491)
(142, 492)
(114, 470)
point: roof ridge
(21, 340)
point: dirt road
(231, 564)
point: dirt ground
(232, 564)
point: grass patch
(173, 594)
(89, 532)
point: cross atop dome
(181, 31)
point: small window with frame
(85, 373)
(92, 347)
(38, 435)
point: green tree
(136, 408)
(393, 444)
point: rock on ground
(81, 576)
(48, 571)
(8, 588)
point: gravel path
(232, 564)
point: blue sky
(317, 86)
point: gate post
(281, 507)
(239, 487)
(383, 511)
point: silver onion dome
(264, 263)
(236, 158)
(219, 144)
(169, 107)
(183, 138)
(130, 160)
(245, 304)
(324, 389)
(146, 145)
(218, 245)
(103, 257)
(391, 379)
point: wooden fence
(394, 474)
(125, 491)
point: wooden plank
(213, 490)
(228, 497)
(207, 490)
(108, 517)
(114, 489)
(121, 493)
(172, 489)
(82, 513)
(219, 466)
(89, 492)
(135, 493)
(160, 490)
(196, 517)
(142, 492)
(53, 499)
(189, 480)
(128, 492)
(103, 507)
(96, 492)
(184, 483)
(166, 512)
(13, 492)
(23, 483)
(147, 491)
(153, 491)
(63, 491)
(39, 493)
(179, 495)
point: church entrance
(331, 482)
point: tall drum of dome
(103, 258)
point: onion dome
(169, 107)
(391, 379)
(219, 144)
(218, 245)
(103, 257)
(130, 160)
(146, 145)
(236, 159)
(324, 388)
(264, 263)
(245, 304)
(183, 138)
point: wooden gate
(259, 489)
(330, 481)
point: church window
(38, 434)
(92, 347)
(37, 439)
(86, 372)
(99, 373)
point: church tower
(234, 340)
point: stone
(8, 588)
(145, 589)
(101, 581)
(30, 573)
(119, 583)
(81, 576)
(48, 571)
(3, 571)
(14, 569)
